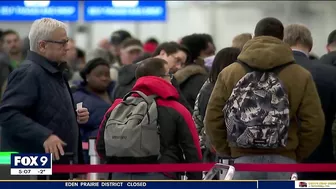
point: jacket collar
(297, 52)
(183, 74)
(50, 66)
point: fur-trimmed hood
(183, 74)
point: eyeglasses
(177, 59)
(63, 42)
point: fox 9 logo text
(28, 161)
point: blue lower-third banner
(152, 184)
(168, 184)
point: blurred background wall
(222, 19)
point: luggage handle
(220, 167)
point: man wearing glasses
(37, 113)
(172, 52)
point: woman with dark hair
(223, 58)
(193, 73)
(94, 93)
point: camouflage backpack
(257, 112)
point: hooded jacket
(178, 134)
(127, 80)
(267, 52)
(191, 79)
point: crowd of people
(265, 99)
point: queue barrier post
(94, 158)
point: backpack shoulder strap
(148, 99)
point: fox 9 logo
(31, 161)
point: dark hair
(208, 37)
(119, 36)
(1, 33)
(144, 56)
(130, 42)
(170, 48)
(80, 53)
(92, 64)
(195, 44)
(8, 32)
(151, 67)
(269, 27)
(223, 58)
(331, 37)
(152, 40)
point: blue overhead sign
(144, 10)
(32, 10)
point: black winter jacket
(178, 133)
(325, 80)
(329, 58)
(190, 79)
(36, 104)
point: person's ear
(42, 45)
(163, 53)
(328, 48)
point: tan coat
(264, 53)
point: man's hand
(54, 145)
(82, 115)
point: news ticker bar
(168, 184)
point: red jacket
(178, 134)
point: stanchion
(94, 158)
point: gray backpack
(257, 112)
(132, 129)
